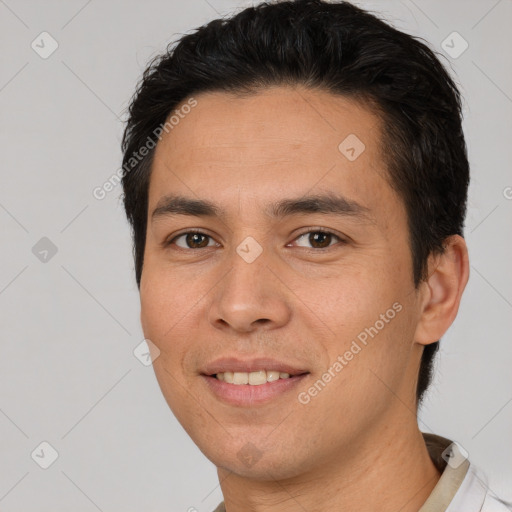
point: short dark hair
(339, 48)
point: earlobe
(447, 278)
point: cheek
(161, 305)
(161, 310)
(172, 308)
(355, 297)
(164, 289)
(370, 312)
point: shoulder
(495, 504)
(475, 495)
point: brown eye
(319, 239)
(192, 240)
(322, 239)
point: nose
(250, 295)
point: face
(300, 258)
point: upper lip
(233, 364)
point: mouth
(253, 389)
(253, 382)
(253, 368)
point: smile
(242, 393)
(256, 378)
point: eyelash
(314, 230)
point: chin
(249, 462)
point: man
(296, 179)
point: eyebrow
(171, 205)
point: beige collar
(453, 466)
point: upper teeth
(254, 378)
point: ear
(441, 293)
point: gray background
(70, 324)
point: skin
(356, 445)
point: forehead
(276, 141)
(269, 121)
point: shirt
(461, 488)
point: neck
(391, 470)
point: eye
(192, 240)
(319, 238)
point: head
(261, 107)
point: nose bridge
(250, 292)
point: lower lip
(247, 395)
